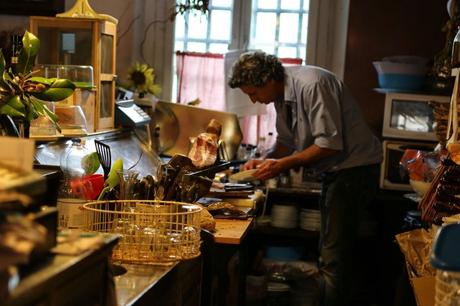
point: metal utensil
(212, 170)
(105, 156)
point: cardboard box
(424, 290)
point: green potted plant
(23, 95)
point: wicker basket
(151, 231)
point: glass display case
(69, 47)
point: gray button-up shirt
(318, 109)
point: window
(280, 27)
(276, 26)
(197, 33)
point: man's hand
(266, 169)
(269, 168)
(252, 164)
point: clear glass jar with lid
(74, 166)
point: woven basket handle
(452, 124)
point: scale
(130, 115)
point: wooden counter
(232, 231)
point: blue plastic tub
(284, 253)
(401, 81)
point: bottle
(242, 152)
(156, 140)
(269, 142)
(250, 152)
(261, 148)
(69, 202)
(455, 59)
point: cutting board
(231, 231)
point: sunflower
(141, 78)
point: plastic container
(42, 126)
(284, 253)
(401, 72)
(72, 120)
(81, 76)
(445, 257)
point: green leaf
(31, 112)
(43, 110)
(6, 76)
(63, 83)
(16, 103)
(30, 48)
(52, 116)
(59, 89)
(10, 111)
(42, 80)
(38, 106)
(113, 179)
(90, 163)
(32, 115)
(53, 94)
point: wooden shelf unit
(85, 42)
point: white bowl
(407, 59)
(420, 187)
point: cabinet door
(88, 288)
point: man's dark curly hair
(255, 68)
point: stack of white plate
(284, 216)
(310, 219)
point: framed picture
(32, 7)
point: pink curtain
(201, 75)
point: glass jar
(70, 201)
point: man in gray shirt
(319, 127)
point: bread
(207, 221)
